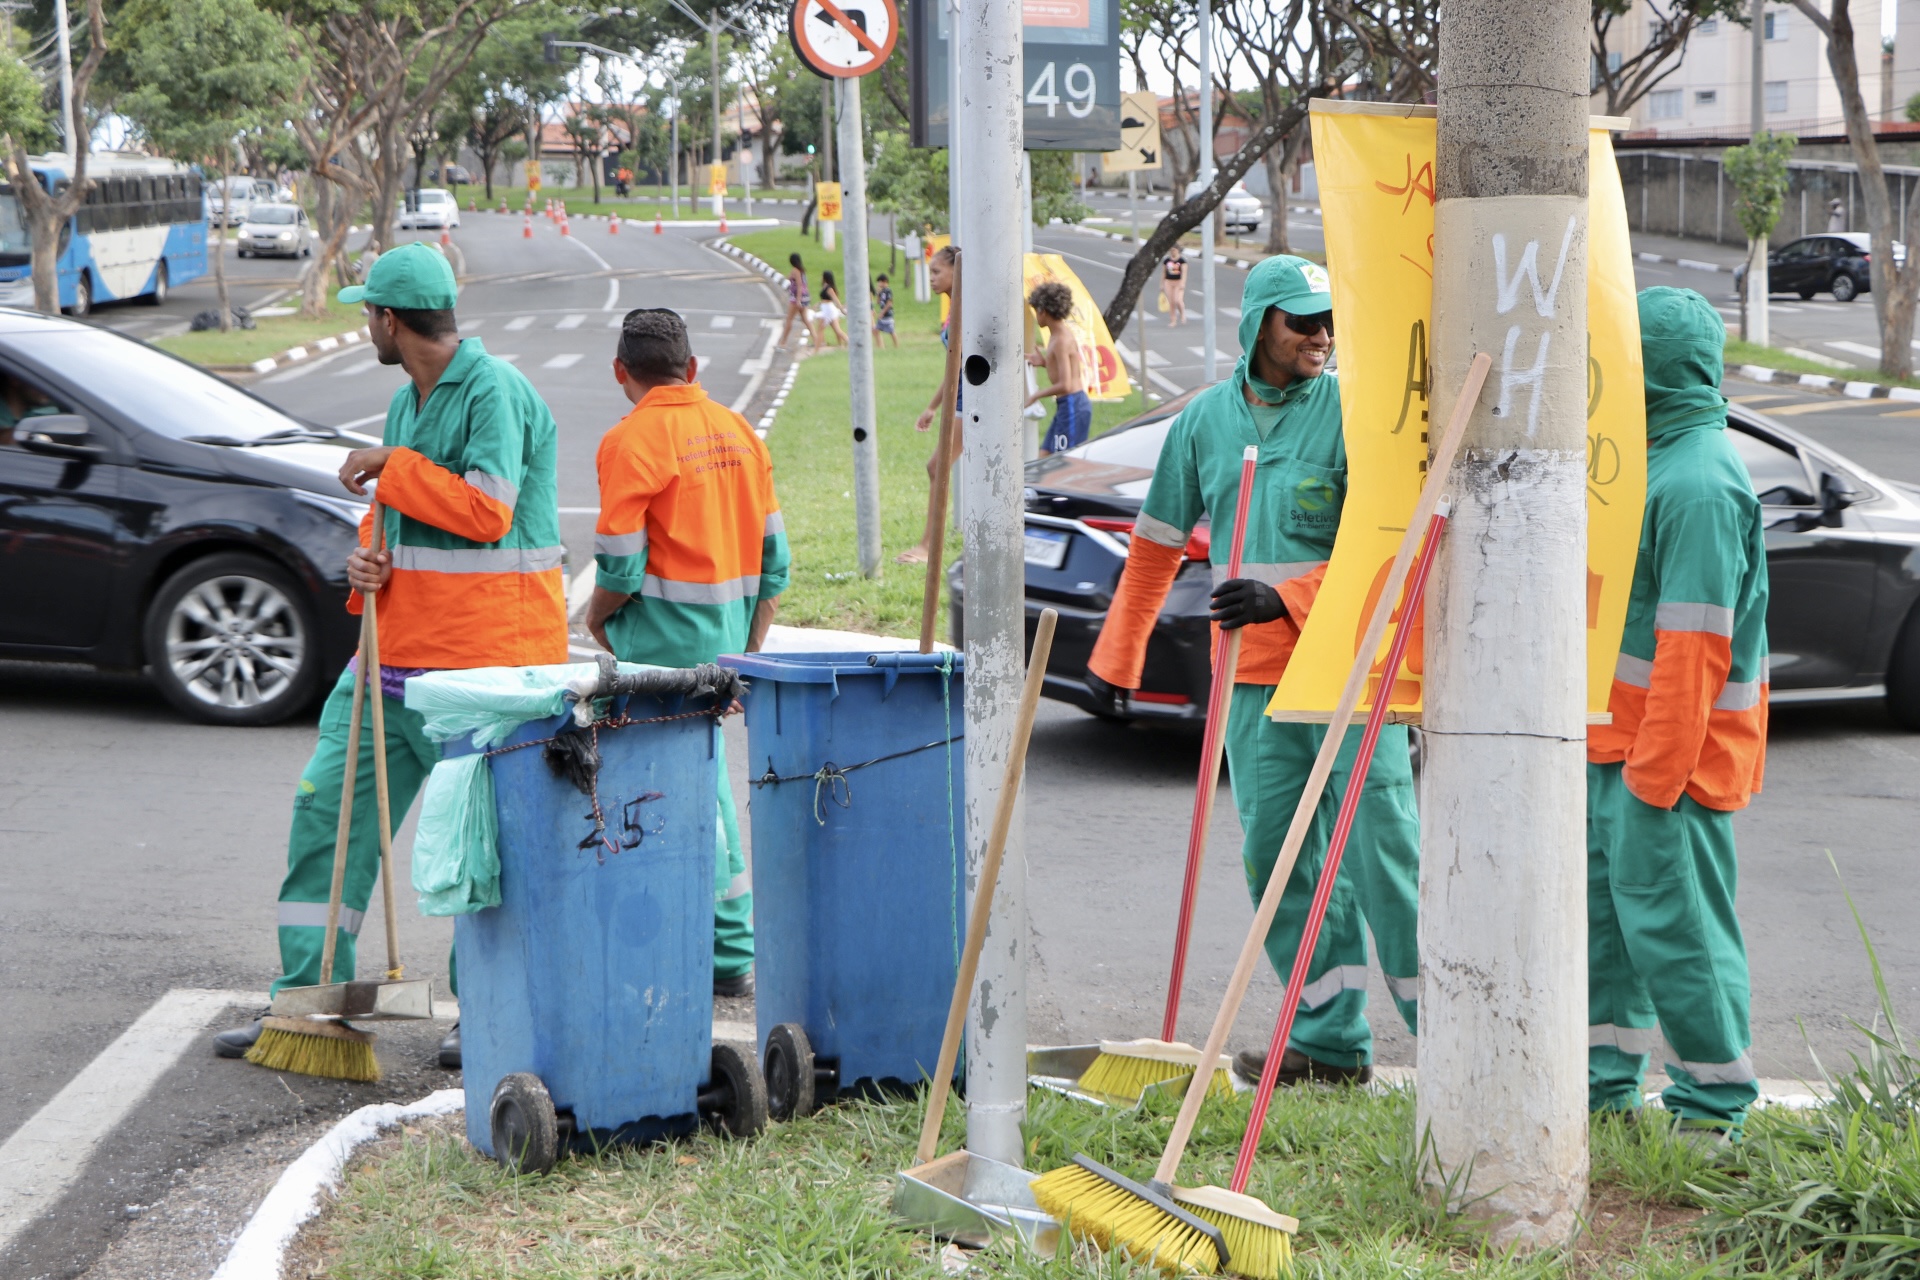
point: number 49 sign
(1072, 93)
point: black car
(1836, 263)
(1843, 557)
(153, 515)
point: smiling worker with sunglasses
(1278, 401)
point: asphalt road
(139, 854)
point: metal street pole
(1139, 303)
(987, 126)
(956, 232)
(673, 160)
(829, 126)
(744, 151)
(713, 48)
(72, 143)
(1754, 326)
(1209, 338)
(1503, 868)
(859, 306)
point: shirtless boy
(1052, 303)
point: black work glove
(1106, 696)
(1238, 601)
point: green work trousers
(1665, 955)
(1379, 879)
(732, 888)
(316, 819)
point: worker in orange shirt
(692, 557)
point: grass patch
(640, 202)
(269, 337)
(1739, 353)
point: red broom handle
(1226, 662)
(1342, 827)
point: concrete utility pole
(1754, 315)
(828, 173)
(987, 123)
(1209, 317)
(859, 307)
(713, 52)
(955, 234)
(1503, 887)
(71, 144)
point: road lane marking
(613, 294)
(566, 361)
(1817, 406)
(362, 367)
(1217, 355)
(720, 322)
(569, 322)
(519, 322)
(616, 322)
(361, 422)
(1158, 379)
(1757, 399)
(471, 325)
(46, 1155)
(1856, 348)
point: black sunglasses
(1307, 326)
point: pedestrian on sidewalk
(883, 310)
(1052, 304)
(1836, 215)
(798, 299)
(940, 280)
(692, 556)
(1279, 401)
(1686, 748)
(1173, 286)
(831, 308)
(470, 578)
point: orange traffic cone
(526, 228)
(656, 224)
(613, 225)
(723, 224)
(503, 203)
(446, 237)
(564, 229)
(472, 207)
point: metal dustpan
(970, 1199)
(361, 1001)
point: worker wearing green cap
(470, 578)
(1278, 402)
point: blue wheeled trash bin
(856, 763)
(586, 996)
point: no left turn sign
(844, 38)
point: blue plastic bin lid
(827, 668)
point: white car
(276, 230)
(229, 200)
(430, 208)
(1241, 210)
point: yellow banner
(1377, 196)
(829, 196)
(533, 175)
(717, 179)
(1106, 375)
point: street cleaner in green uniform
(1686, 748)
(1278, 400)
(470, 578)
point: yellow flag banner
(717, 178)
(1376, 176)
(1106, 375)
(828, 193)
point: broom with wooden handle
(942, 467)
(320, 1046)
(983, 896)
(1146, 1220)
(1125, 1068)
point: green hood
(1284, 281)
(1683, 343)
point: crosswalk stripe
(614, 322)
(569, 322)
(721, 322)
(566, 361)
(362, 367)
(520, 322)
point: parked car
(429, 208)
(276, 230)
(153, 515)
(1836, 263)
(456, 175)
(1240, 210)
(1843, 556)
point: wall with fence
(1686, 194)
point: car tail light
(1200, 543)
(1108, 523)
(1171, 699)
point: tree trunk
(1754, 316)
(45, 233)
(1279, 162)
(217, 250)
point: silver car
(276, 230)
(1240, 210)
(429, 208)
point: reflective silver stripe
(313, 915)
(1738, 695)
(1406, 989)
(620, 544)
(1343, 977)
(1712, 618)
(1640, 1041)
(738, 887)
(776, 523)
(700, 592)
(1637, 672)
(1739, 1071)
(1271, 574)
(478, 559)
(1145, 526)
(502, 491)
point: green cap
(415, 276)
(1299, 287)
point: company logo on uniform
(304, 800)
(1313, 500)
(1316, 277)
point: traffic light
(547, 49)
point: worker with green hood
(1278, 402)
(1667, 965)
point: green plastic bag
(456, 848)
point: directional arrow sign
(843, 38)
(1139, 135)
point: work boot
(450, 1049)
(1296, 1068)
(235, 1043)
(740, 984)
(1716, 1143)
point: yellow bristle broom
(1181, 1230)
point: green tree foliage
(1054, 194)
(23, 112)
(1758, 172)
(909, 182)
(499, 94)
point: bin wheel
(735, 1100)
(526, 1132)
(789, 1071)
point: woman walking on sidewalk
(797, 299)
(1173, 285)
(831, 309)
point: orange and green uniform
(690, 530)
(473, 524)
(1686, 748)
(1300, 484)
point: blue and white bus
(142, 230)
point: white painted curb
(295, 1198)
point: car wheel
(1806, 295)
(159, 294)
(245, 253)
(231, 640)
(1903, 676)
(1844, 289)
